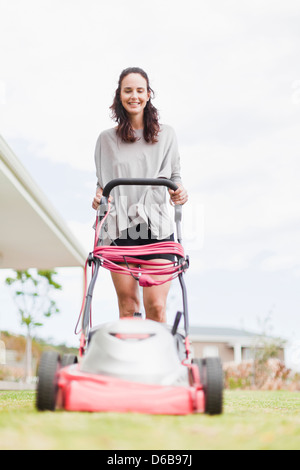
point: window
(210, 351)
(248, 354)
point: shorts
(127, 240)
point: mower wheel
(214, 386)
(68, 360)
(211, 377)
(47, 381)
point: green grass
(251, 420)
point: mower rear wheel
(68, 360)
(47, 381)
(211, 377)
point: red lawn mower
(132, 364)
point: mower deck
(80, 391)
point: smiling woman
(132, 108)
(139, 147)
(134, 98)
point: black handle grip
(136, 182)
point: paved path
(4, 385)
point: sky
(226, 76)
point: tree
(32, 294)
(265, 348)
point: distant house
(230, 344)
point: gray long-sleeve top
(132, 205)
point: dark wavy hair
(120, 115)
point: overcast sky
(226, 74)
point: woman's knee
(128, 294)
(156, 309)
(155, 301)
(129, 303)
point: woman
(139, 147)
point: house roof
(231, 336)
(219, 331)
(32, 233)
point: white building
(32, 234)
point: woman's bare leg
(127, 290)
(155, 297)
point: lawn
(251, 420)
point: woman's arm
(180, 196)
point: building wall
(222, 350)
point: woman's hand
(180, 196)
(97, 198)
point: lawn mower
(132, 364)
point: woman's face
(134, 95)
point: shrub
(269, 375)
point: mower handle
(144, 182)
(138, 181)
